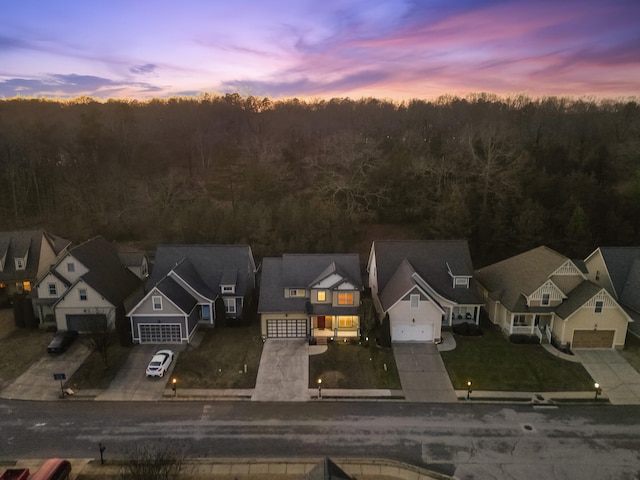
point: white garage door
(412, 333)
(160, 333)
(286, 328)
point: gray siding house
(185, 283)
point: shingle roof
(509, 279)
(579, 296)
(431, 260)
(178, 295)
(15, 245)
(205, 265)
(106, 274)
(398, 285)
(631, 291)
(620, 263)
(302, 271)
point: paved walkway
(422, 373)
(618, 380)
(283, 374)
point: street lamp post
(174, 382)
(469, 390)
(597, 388)
(319, 388)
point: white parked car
(159, 364)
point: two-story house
(86, 289)
(185, 284)
(541, 292)
(313, 296)
(618, 270)
(24, 257)
(423, 285)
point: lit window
(599, 307)
(345, 298)
(415, 301)
(296, 292)
(346, 321)
(71, 267)
(545, 299)
(53, 290)
(157, 302)
(83, 294)
(322, 296)
(230, 305)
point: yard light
(597, 388)
(174, 382)
(319, 388)
(469, 390)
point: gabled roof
(203, 266)
(507, 281)
(631, 291)
(131, 257)
(16, 244)
(579, 296)
(106, 274)
(398, 285)
(621, 263)
(432, 260)
(178, 295)
(303, 271)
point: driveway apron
(422, 373)
(131, 382)
(283, 375)
(618, 380)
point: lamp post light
(597, 388)
(320, 389)
(174, 382)
(469, 390)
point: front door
(321, 322)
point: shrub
(521, 339)
(467, 329)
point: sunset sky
(391, 49)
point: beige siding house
(541, 292)
(310, 296)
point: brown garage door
(592, 339)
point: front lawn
(344, 365)
(20, 349)
(218, 362)
(631, 351)
(491, 362)
(92, 374)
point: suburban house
(422, 286)
(617, 269)
(86, 289)
(541, 292)
(24, 257)
(310, 296)
(186, 283)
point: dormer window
(228, 289)
(19, 264)
(296, 292)
(460, 282)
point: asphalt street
(467, 440)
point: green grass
(356, 366)
(92, 374)
(491, 362)
(25, 347)
(218, 362)
(631, 352)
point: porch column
(511, 324)
(476, 314)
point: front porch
(463, 313)
(532, 324)
(338, 326)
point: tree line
(506, 173)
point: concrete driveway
(131, 383)
(422, 373)
(37, 382)
(283, 375)
(618, 380)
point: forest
(506, 173)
